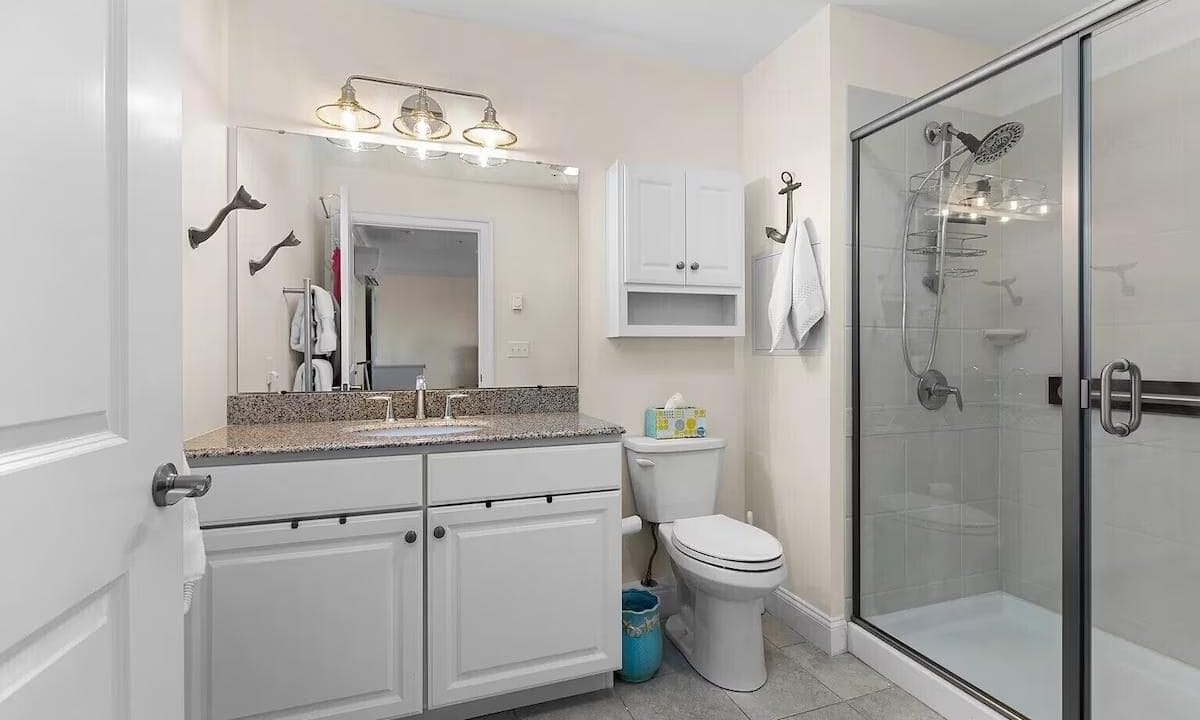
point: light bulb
(946, 212)
(1044, 209)
(355, 145)
(422, 153)
(421, 128)
(974, 216)
(570, 171)
(1013, 204)
(349, 121)
(1004, 218)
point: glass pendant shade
(482, 159)
(489, 133)
(355, 145)
(422, 118)
(347, 114)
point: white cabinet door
(653, 232)
(715, 233)
(524, 593)
(320, 622)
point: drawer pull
(439, 532)
(410, 537)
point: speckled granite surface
(301, 437)
(260, 408)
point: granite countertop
(304, 437)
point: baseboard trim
(918, 680)
(827, 633)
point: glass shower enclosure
(1026, 371)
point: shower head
(994, 145)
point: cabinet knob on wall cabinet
(679, 265)
(439, 532)
(695, 266)
(410, 537)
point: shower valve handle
(946, 390)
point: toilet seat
(723, 542)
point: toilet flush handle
(644, 462)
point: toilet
(725, 568)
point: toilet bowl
(724, 568)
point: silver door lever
(169, 487)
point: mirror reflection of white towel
(322, 376)
(796, 302)
(323, 322)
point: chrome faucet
(420, 397)
(450, 398)
(391, 416)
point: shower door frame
(1072, 39)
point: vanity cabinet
(675, 251)
(317, 620)
(522, 592)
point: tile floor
(803, 683)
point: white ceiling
(731, 35)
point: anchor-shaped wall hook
(241, 201)
(789, 187)
(290, 241)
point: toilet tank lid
(650, 445)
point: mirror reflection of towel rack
(789, 187)
(305, 329)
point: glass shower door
(1142, 281)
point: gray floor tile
(506, 715)
(790, 690)
(841, 711)
(677, 696)
(893, 704)
(599, 705)
(673, 660)
(777, 633)
(844, 674)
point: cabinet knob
(679, 265)
(695, 266)
(439, 532)
(410, 537)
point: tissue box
(688, 422)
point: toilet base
(722, 640)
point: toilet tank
(674, 479)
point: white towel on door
(195, 561)
(796, 302)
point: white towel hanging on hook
(797, 302)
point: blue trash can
(641, 636)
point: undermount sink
(391, 430)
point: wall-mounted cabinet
(675, 252)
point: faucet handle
(450, 398)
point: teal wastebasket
(641, 636)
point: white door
(522, 593)
(91, 622)
(320, 621)
(654, 239)
(715, 233)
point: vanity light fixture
(420, 115)
(347, 113)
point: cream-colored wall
(534, 253)
(447, 339)
(794, 110)
(281, 171)
(569, 104)
(204, 281)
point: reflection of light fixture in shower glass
(482, 159)
(354, 144)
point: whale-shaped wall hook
(241, 201)
(290, 241)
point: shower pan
(1023, 490)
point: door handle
(1120, 429)
(169, 487)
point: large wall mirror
(415, 266)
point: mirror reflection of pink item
(335, 263)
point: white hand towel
(194, 559)
(296, 338)
(796, 302)
(324, 317)
(322, 371)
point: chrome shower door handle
(1120, 429)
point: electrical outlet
(518, 348)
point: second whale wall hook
(290, 241)
(241, 201)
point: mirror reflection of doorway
(425, 309)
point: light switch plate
(518, 301)
(518, 348)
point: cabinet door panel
(715, 233)
(322, 621)
(523, 593)
(654, 237)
